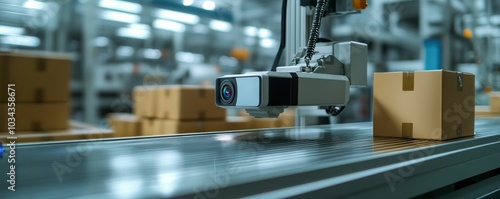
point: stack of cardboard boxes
(183, 109)
(41, 84)
(493, 110)
(177, 109)
(495, 102)
(124, 125)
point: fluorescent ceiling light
(208, 5)
(9, 30)
(151, 53)
(32, 4)
(188, 57)
(124, 51)
(120, 16)
(187, 2)
(21, 40)
(267, 43)
(177, 16)
(265, 33)
(101, 41)
(220, 25)
(121, 5)
(169, 25)
(133, 33)
(251, 31)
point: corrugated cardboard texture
(36, 79)
(37, 116)
(495, 102)
(188, 103)
(145, 101)
(418, 113)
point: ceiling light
(251, 31)
(133, 33)
(177, 16)
(120, 16)
(169, 25)
(264, 33)
(267, 43)
(32, 4)
(151, 53)
(208, 5)
(101, 41)
(188, 57)
(21, 40)
(220, 25)
(121, 5)
(124, 51)
(9, 30)
(187, 2)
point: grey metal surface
(339, 160)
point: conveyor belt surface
(338, 160)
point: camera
(325, 83)
(253, 90)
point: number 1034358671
(11, 108)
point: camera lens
(227, 91)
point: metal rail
(328, 161)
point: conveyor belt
(336, 161)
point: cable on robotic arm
(283, 36)
(314, 34)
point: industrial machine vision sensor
(319, 75)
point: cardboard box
(188, 103)
(145, 101)
(495, 102)
(37, 78)
(175, 126)
(286, 119)
(238, 123)
(435, 105)
(151, 127)
(125, 125)
(37, 116)
(485, 111)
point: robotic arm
(319, 75)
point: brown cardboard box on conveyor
(435, 105)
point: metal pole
(90, 94)
(296, 36)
